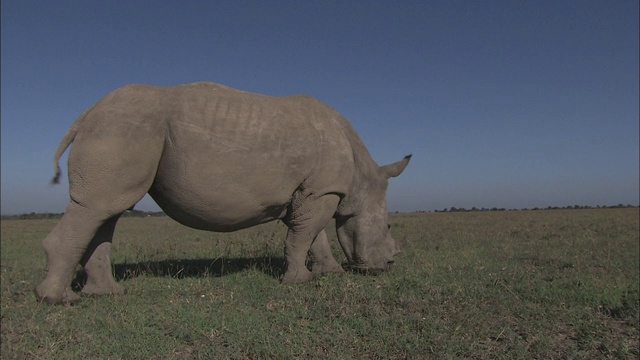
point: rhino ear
(395, 169)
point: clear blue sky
(503, 103)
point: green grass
(560, 284)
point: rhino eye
(388, 226)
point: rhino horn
(395, 169)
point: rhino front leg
(305, 223)
(97, 263)
(322, 258)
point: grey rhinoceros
(219, 159)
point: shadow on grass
(185, 268)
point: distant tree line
(143, 214)
(33, 215)
(569, 207)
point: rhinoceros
(219, 159)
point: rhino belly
(221, 207)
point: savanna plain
(553, 284)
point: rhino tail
(64, 144)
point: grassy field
(558, 284)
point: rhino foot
(299, 276)
(111, 289)
(50, 297)
(321, 268)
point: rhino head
(364, 234)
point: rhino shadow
(186, 268)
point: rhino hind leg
(322, 258)
(305, 223)
(97, 264)
(64, 247)
(83, 235)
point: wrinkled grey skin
(219, 159)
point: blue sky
(508, 104)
